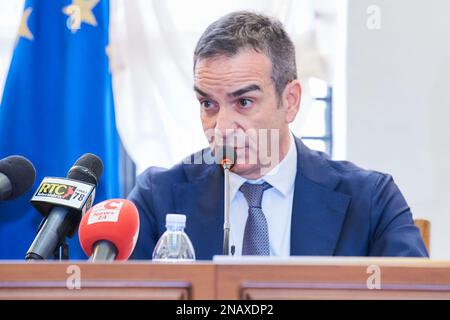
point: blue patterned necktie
(256, 234)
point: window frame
(327, 138)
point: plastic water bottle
(174, 245)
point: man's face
(237, 94)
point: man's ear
(291, 100)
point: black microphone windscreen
(88, 168)
(20, 171)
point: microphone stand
(62, 251)
(226, 225)
(227, 160)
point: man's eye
(206, 104)
(245, 103)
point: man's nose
(225, 122)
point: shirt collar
(281, 177)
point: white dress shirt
(276, 205)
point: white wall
(398, 103)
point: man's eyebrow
(200, 92)
(251, 87)
(234, 94)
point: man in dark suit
(298, 203)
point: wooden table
(295, 278)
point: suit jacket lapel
(318, 211)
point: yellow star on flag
(81, 11)
(24, 31)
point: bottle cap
(172, 218)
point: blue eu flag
(57, 105)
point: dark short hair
(244, 29)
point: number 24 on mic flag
(57, 104)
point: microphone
(17, 175)
(62, 202)
(109, 230)
(226, 157)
